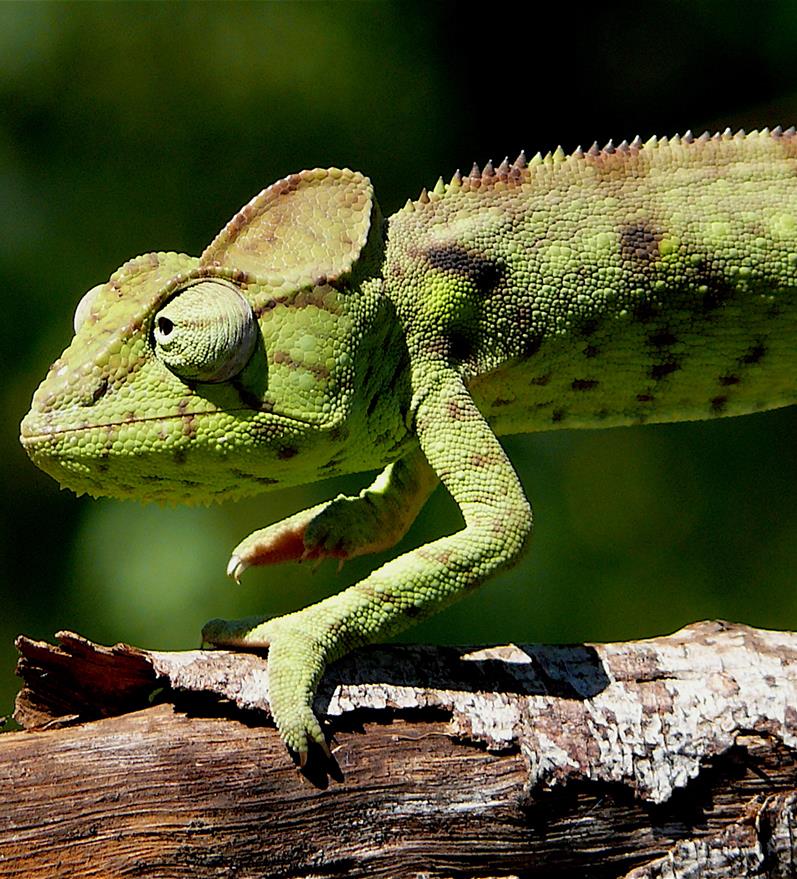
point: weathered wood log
(671, 757)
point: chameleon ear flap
(306, 227)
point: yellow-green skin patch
(639, 283)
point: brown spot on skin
(284, 358)
(412, 612)
(132, 327)
(180, 455)
(264, 480)
(439, 557)
(367, 590)
(286, 452)
(264, 307)
(718, 405)
(101, 390)
(588, 328)
(659, 370)
(584, 384)
(455, 411)
(483, 273)
(754, 355)
(662, 339)
(557, 415)
(541, 380)
(726, 380)
(189, 426)
(591, 351)
(501, 402)
(479, 460)
(639, 242)
(718, 291)
(645, 398)
(339, 433)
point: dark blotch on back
(754, 355)
(718, 405)
(718, 291)
(662, 339)
(584, 384)
(339, 433)
(485, 274)
(660, 370)
(639, 242)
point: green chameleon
(630, 284)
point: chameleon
(636, 283)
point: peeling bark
(660, 759)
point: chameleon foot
(295, 664)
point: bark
(672, 757)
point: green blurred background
(126, 128)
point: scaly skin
(618, 286)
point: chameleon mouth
(165, 458)
(37, 428)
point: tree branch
(671, 757)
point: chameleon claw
(235, 567)
(303, 754)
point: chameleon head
(195, 379)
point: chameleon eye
(84, 306)
(206, 332)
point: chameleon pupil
(165, 326)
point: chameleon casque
(630, 284)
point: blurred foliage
(126, 128)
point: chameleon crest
(629, 284)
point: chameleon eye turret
(206, 332)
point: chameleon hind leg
(469, 460)
(345, 527)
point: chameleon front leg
(345, 527)
(469, 460)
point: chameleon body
(638, 283)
